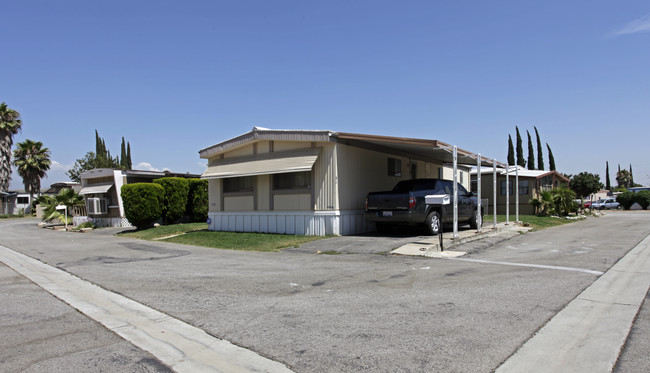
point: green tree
(174, 198)
(32, 161)
(10, 124)
(511, 152)
(585, 183)
(608, 184)
(520, 150)
(123, 158)
(540, 155)
(129, 164)
(623, 179)
(551, 159)
(531, 154)
(631, 175)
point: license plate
(387, 213)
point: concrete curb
(589, 333)
(181, 346)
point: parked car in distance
(607, 204)
(406, 204)
(588, 204)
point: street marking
(573, 269)
(181, 346)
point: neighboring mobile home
(531, 184)
(101, 189)
(314, 182)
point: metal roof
(424, 149)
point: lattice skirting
(103, 222)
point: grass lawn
(197, 234)
(537, 222)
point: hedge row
(627, 199)
(169, 198)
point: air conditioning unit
(97, 206)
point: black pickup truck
(405, 204)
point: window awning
(95, 189)
(263, 164)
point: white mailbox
(437, 199)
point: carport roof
(424, 149)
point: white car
(608, 204)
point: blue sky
(173, 77)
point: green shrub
(643, 198)
(142, 203)
(174, 198)
(197, 200)
(626, 199)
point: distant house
(101, 189)
(55, 188)
(314, 182)
(531, 184)
(15, 202)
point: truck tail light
(411, 202)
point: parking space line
(561, 268)
(181, 346)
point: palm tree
(66, 197)
(10, 123)
(32, 161)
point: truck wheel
(476, 221)
(433, 223)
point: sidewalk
(590, 332)
(430, 246)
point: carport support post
(507, 194)
(455, 171)
(494, 189)
(517, 195)
(478, 189)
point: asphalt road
(331, 313)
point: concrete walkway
(179, 345)
(589, 334)
(430, 246)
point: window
(97, 206)
(394, 167)
(22, 200)
(292, 180)
(239, 184)
(503, 187)
(523, 187)
(473, 185)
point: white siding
(244, 150)
(325, 179)
(214, 194)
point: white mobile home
(313, 182)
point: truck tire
(476, 221)
(433, 223)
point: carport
(436, 150)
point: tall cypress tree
(531, 154)
(511, 152)
(129, 165)
(608, 184)
(551, 160)
(631, 176)
(540, 155)
(520, 150)
(123, 158)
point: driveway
(361, 312)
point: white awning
(263, 164)
(95, 189)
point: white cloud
(202, 164)
(59, 166)
(638, 25)
(145, 166)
